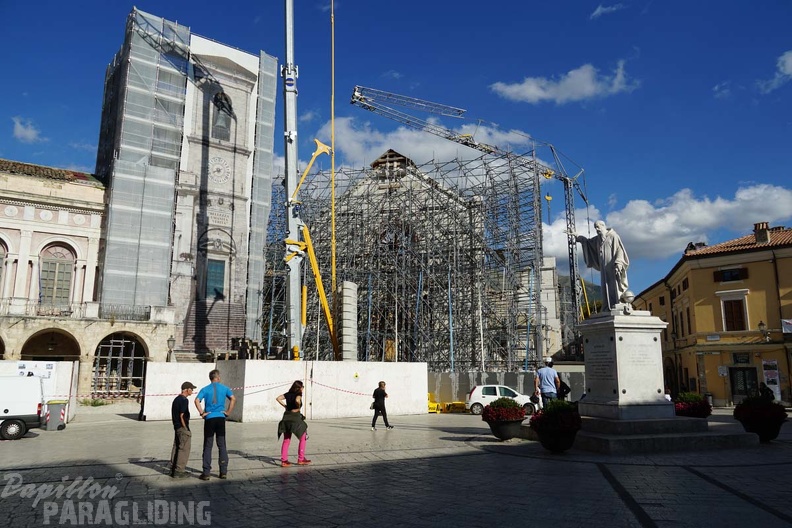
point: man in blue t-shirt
(214, 414)
(547, 382)
(182, 440)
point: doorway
(744, 383)
(119, 367)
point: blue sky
(680, 112)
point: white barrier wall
(59, 379)
(333, 389)
(163, 384)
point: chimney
(761, 233)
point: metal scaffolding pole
(294, 328)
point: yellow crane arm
(321, 148)
(320, 287)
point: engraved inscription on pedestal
(600, 359)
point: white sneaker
(373, 428)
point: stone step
(613, 444)
(678, 424)
(188, 356)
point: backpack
(563, 390)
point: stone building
(161, 248)
(729, 309)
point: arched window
(57, 271)
(223, 111)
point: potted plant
(692, 404)
(761, 416)
(504, 416)
(556, 425)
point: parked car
(482, 395)
(21, 401)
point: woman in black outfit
(293, 422)
(379, 406)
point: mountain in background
(593, 291)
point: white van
(21, 402)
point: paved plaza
(431, 470)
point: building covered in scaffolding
(446, 257)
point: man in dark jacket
(180, 414)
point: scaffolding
(443, 255)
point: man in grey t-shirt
(547, 382)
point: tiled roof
(39, 171)
(779, 236)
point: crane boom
(378, 101)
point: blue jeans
(215, 428)
(547, 396)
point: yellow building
(729, 314)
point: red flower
(503, 410)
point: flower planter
(506, 429)
(556, 441)
(766, 429)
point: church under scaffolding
(443, 255)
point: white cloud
(579, 84)
(26, 132)
(307, 117)
(360, 144)
(663, 229)
(782, 76)
(656, 231)
(83, 146)
(392, 74)
(605, 10)
(325, 7)
(722, 90)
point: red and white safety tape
(246, 388)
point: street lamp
(765, 332)
(171, 343)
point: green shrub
(689, 397)
(93, 402)
(558, 415)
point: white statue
(606, 254)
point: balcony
(124, 312)
(87, 310)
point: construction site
(446, 255)
(440, 262)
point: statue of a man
(606, 254)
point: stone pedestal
(624, 366)
(625, 410)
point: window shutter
(743, 273)
(717, 276)
(734, 315)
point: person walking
(379, 406)
(547, 382)
(214, 415)
(293, 422)
(182, 440)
